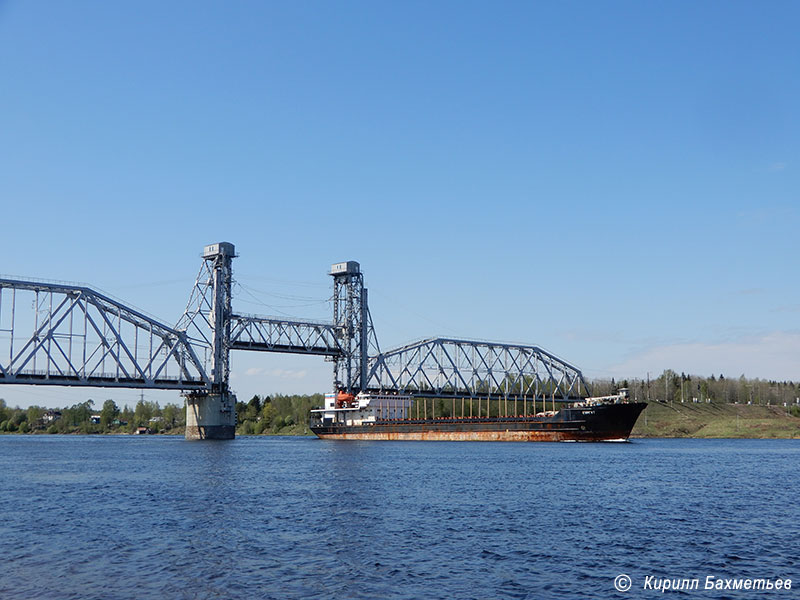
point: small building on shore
(51, 415)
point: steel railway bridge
(61, 334)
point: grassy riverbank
(288, 415)
(710, 420)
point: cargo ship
(376, 416)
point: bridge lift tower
(353, 325)
(211, 414)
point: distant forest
(288, 414)
(673, 387)
(275, 414)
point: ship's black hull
(605, 422)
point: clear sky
(616, 182)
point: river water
(143, 517)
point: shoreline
(659, 420)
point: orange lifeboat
(345, 400)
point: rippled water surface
(158, 517)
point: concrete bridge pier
(211, 416)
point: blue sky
(614, 181)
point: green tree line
(276, 414)
(671, 386)
(85, 418)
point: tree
(253, 407)
(267, 414)
(240, 408)
(108, 414)
(79, 413)
(144, 412)
(126, 414)
(172, 414)
(35, 416)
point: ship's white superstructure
(363, 408)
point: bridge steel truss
(60, 334)
(441, 367)
(251, 332)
